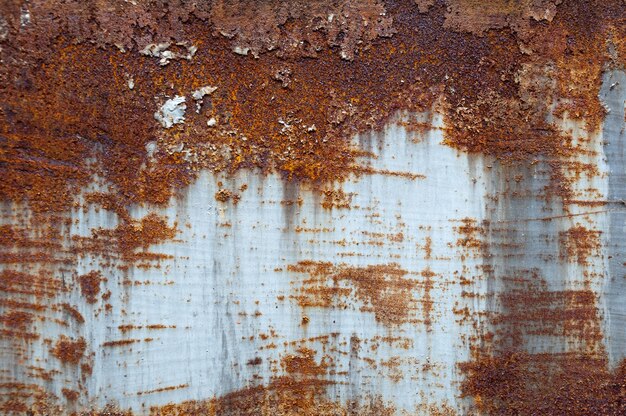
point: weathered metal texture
(327, 208)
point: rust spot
(69, 350)
(17, 319)
(70, 395)
(255, 361)
(90, 285)
(382, 288)
(304, 363)
(224, 195)
(579, 244)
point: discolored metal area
(312, 208)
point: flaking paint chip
(172, 112)
(201, 92)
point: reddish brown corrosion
(304, 363)
(17, 319)
(495, 85)
(496, 70)
(90, 285)
(69, 350)
(567, 384)
(382, 288)
(70, 395)
(284, 396)
(578, 244)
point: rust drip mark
(69, 350)
(579, 244)
(90, 285)
(382, 288)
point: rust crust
(137, 98)
(494, 69)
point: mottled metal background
(367, 256)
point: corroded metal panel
(358, 207)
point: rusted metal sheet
(324, 208)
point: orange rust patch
(336, 198)
(579, 244)
(224, 195)
(17, 319)
(382, 288)
(497, 68)
(68, 350)
(304, 363)
(284, 396)
(128, 238)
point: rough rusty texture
(515, 384)
(492, 84)
(383, 289)
(284, 396)
(68, 350)
(80, 83)
(90, 285)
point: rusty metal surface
(323, 208)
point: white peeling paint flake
(201, 92)
(161, 51)
(172, 112)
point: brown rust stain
(497, 69)
(90, 285)
(69, 350)
(284, 396)
(578, 244)
(383, 289)
(70, 395)
(540, 350)
(303, 363)
(566, 384)
(17, 319)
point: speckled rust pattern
(77, 104)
